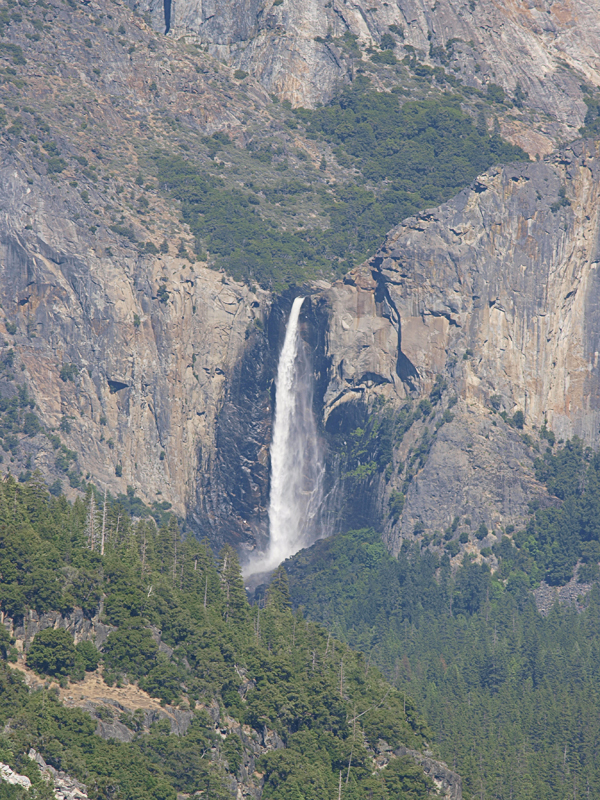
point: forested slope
(511, 695)
(271, 676)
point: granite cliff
(123, 339)
(495, 293)
(541, 50)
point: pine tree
(278, 593)
(4, 507)
(103, 531)
(175, 537)
(35, 497)
(232, 584)
(200, 575)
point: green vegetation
(14, 51)
(68, 372)
(263, 667)
(562, 201)
(229, 225)
(428, 149)
(591, 126)
(511, 696)
(413, 156)
(54, 653)
(16, 414)
(471, 647)
(558, 537)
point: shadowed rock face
(547, 48)
(233, 490)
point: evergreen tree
(265, 667)
(278, 593)
(232, 584)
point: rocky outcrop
(478, 469)
(81, 627)
(448, 783)
(65, 787)
(571, 594)
(361, 344)
(296, 49)
(13, 778)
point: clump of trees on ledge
(407, 156)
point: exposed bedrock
(547, 48)
(506, 275)
(497, 292)
(142, 380)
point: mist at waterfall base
(296, 457)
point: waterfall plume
(296, 458)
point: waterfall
(296, 458)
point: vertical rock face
(506, 275)
(362, 343)
(496, 292)
(233, 489)
(148, 378)
(546, 48)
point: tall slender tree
(232, 584)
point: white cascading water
(296, 459)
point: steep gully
(496, 293)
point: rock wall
(495, 292)
(547, 48)
(498, 289)
(83, 628)
(149, 376)
(448, 783)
